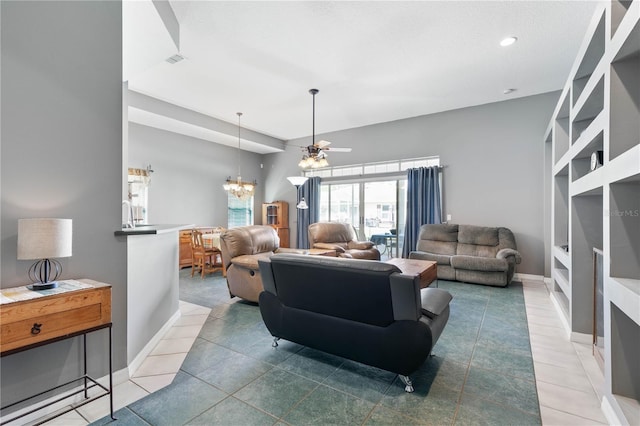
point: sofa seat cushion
(474, 263)
(250, 261)
(434, 301)
(441, 259)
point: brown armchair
(341, 237)
(241, 248)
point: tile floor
(567, 377)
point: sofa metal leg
(275, 342)
(407, 381)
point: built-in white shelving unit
(599, 111)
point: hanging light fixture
(314, 158)
(239, 188)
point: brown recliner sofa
(342, 238)
(241, 248)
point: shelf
(628, 24)
(561, 126)
(561, 276)
(625, 167)
(625, 353)
(591, 56)
(590, 184)
(561, 168)
(619, 11)
(625, 96)
(591, 140)
(587, 110)
(562, 256)
(624, 229)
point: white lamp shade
(297, 180)
(44, 238)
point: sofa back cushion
(438, 238)
(483, 241)
(356, 290)
(331, 232)
(248, 240)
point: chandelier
(239, 188)
(315, 157)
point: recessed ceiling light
(508, 41)
(507, 91)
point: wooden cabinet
(185, 249)
(276, 214)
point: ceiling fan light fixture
(314, 158)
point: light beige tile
(183, 332)
(559, 359)
(154, 383)
(72, 418)
(185, 320)
(123, 395)
(571, 401)
(194, 310)
(173, 346)
(551, 417)
(574, 379)
(551, 343)
(160, 364)
(541, 310)
(546, 319)
(546, 330)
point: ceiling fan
(314, 155)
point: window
(239, 212)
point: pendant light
(239, 188)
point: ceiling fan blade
(338, 149)
(322, 144)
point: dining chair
(206, 259)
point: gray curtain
(311, 193)
(423, 203)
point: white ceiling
(372, 61)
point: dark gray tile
(508, 390)
(437, 370)
(124, 416)
(475, 411)
(264, 351)
(433, 403)
(383, 416)
(203, 355)
(230, 374)
(233, 412)
(360, 380)
(185, 398)
(276, 392)
(508, 362)
(312, 364)
(326, 406)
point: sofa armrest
(250, 261)
(505, 253)
(266, 274)
(434, 301)
(291, 250)
(405, 296)
(360, 245)
(328, 246)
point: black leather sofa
(363, 310)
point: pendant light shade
(239, 188)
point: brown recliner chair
(342, 238)
(241, 248)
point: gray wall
(186, 186)
(62, 157)
(494, 159)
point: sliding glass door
(375, 209)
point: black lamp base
(42, 286)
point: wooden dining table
(211, 240)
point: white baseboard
(529, 277)
(139, 359)
(583, 338)
(548, 281)
(561, 315)
(610, 413)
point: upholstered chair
(342, 238)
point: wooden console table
(30, 319)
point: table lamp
(44, 239)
